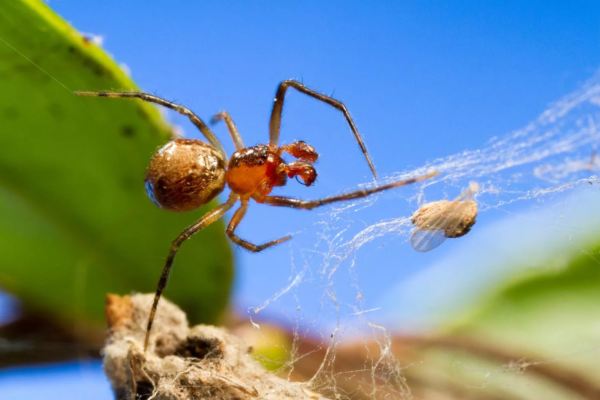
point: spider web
(545, 165)
(540, 174)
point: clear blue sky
(422, 80)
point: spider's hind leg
(233, 224)
(280, 201)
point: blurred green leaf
(554, 313)
(75, 220)
(534, 337)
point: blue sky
(422, 80)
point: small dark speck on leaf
(129, 183)
(56, 111)
(89, 63)
(11, 113)
(142, 113)
(127, 131)
(93, 66)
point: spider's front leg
(233, 224)
(280, 201)
(275, 123)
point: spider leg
(280, 201)
(233, 224)
(202, 223)
(235, 135)
(212, 139)
(275, 123)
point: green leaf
(534, 337)
(553, 313)
(75, 220)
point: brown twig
(34, 338)
(568, 378)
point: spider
(186, 174)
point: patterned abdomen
(185, 174)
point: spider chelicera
(185, 174)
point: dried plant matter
(181, 362)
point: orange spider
(186, 174)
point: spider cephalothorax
(257, 170)
(185, 174)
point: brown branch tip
(203, 362)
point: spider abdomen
(255, 169)
(185, 174)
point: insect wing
(433, 231)
(424, 240)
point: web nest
(554, 154)
(203, 362)
(550, 158)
